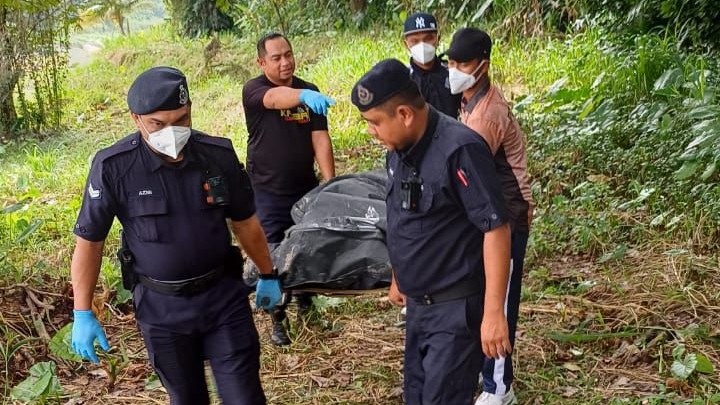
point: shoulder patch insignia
(95, 194)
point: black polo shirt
(169, 227)
(434, 85)
(280, 155)
(441, 243)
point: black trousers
(443, 355)
(273, 211)
(180, 333)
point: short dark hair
(409, 96)
(261, 50)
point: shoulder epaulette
(211, 140)
(124, 145)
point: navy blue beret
(384, 80)
(419, 22)
(160, 88)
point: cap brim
(459, 56)
(420, 30)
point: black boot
(304, 304)
(279, 336)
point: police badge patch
(183, 98)
(365, 97)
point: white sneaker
(487, 398)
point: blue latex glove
(267, 293)
(84, 332)
(317, 102)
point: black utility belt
(462, 289)
(187, 287)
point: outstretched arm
(282, 97)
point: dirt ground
(588, 334)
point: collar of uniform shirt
(436, 67)
(469, 105)
(413, 155)
(156, 161)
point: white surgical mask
(422, 53)
(461, 81)
(169, 140)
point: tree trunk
(358, 6)
(8, 78)
(8, 115)
(120, 21)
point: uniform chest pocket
(420, 219)
(426, 199)
(144, 212)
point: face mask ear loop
(162, 180)
(143, 125)
(477, 69)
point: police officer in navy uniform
(287, 133)
(172, 189)
(447, 236)
(428, 71)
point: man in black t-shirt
(288, 132)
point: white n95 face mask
(170, 140)
(422, 53)
(461, 81)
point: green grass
(599, 277)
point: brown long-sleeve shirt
(488, 113)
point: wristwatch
(271, 276)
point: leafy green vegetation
(620, 300)
(621, 133)
(33, 39)
(114, 11)
(41, 385)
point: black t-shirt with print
(280, 155)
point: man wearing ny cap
(287, 133)
(173, 188)
(447, 236)
(485, 110)
(427, 70)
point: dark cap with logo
(419, 22)
(384, 80)
(160, 88)
(468, 44)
